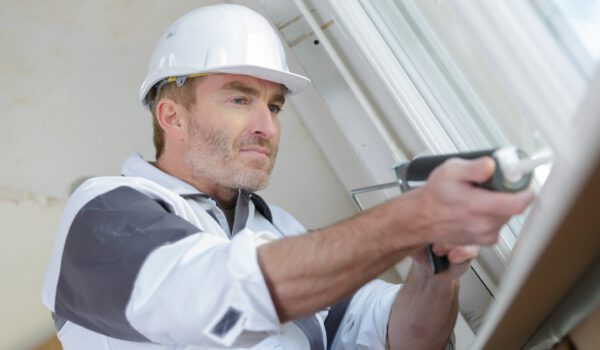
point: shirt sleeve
(364, 325)
(133, 270)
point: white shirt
(145, 261)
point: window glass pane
(450, 72)
(576, 25)
(461, 87)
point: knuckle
(450, 168)
(520, 207)
(473, 207)
(487, 229)
(482, 226)
(490, 240)
(438, 173)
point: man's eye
(274, 109)
(241, 100)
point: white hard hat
(222, 38)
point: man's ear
(169, 117)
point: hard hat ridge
(223, 38)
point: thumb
(463, 254)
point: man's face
(233, 131)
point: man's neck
(225, 197)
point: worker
(181, 253)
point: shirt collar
(136, 166)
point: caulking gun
(513, 172)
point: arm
(425, 309)
(307, 273)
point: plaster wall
(69, 110)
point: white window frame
(539, 69)
(421, 117)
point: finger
(463, 254)
(442, 249)
(500, 203)
(478, 170)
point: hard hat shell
(224, 38)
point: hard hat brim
(292, 81)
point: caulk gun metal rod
(376, 187)
(345, 72)
(354, 193)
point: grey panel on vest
(334, 319)
(59, 322)
(311, 328)
(107, 244)
(227, 322)
(451, 342)
(262, 206)
(241, 213)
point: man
(181, 254)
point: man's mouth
(256, 150)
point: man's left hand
(459, 257)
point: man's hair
(184, 95)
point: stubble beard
(211, 160)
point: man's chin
(254, 181)
(263, 164)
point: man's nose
(264, 123)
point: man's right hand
(452, 209)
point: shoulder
(125, 188)
(120, 193)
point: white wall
(70, 77)
(71, 73)
(26, 242)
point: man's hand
(456, 216)
(459, 257)
(452, 210)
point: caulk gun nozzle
(525, 166)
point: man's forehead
(225, 81)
